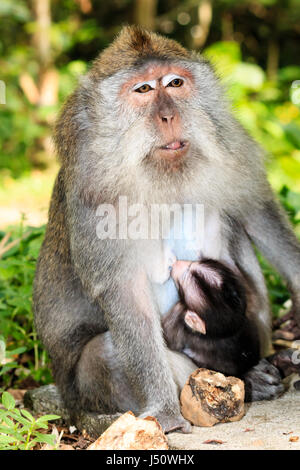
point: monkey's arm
(270, 231)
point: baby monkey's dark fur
(209, 324)
(229, 341)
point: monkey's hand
(263, 382)
(287, 362)
(170, 422)
(287, 327)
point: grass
(27, 196)
(22, 355)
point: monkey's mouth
(173, 150)
(175, 145)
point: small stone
(131, 433)
(47, 400)
(209, 397)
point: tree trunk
(41, 37)
(273, 59)
(48, 77)
(145, 13)
(201, 30)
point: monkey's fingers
(286, 361)
(290, 332)
(263, 382)
(279, 321)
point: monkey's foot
(287, 327)
(287, 361)
(170, 423)
(263, 382)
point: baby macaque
(209, 323)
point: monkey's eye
(144, 88)
(172, 80)
(177, 82)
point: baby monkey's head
(214, 297)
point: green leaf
(8, 401)
(7, 367)
(16, 351)
(20, 419)
(46, 438)
(42, 426)
(250, 76)
(46, 418)
(6, 429)
(15, 434)
(6, 439)
(5, 419)
(28, 415)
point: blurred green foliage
(267, 109)
(21, 355)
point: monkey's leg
(100, 373)
(100, 378)
(271, 232)
(137, 338)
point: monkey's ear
(195, 322)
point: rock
(131, 433)
(209, 397)
(47, 400)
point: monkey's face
(150, 121)
(157, 93)
(213, 295)
(154, 114)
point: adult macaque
(150, 122)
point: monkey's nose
(167, 118)
(179, 268)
